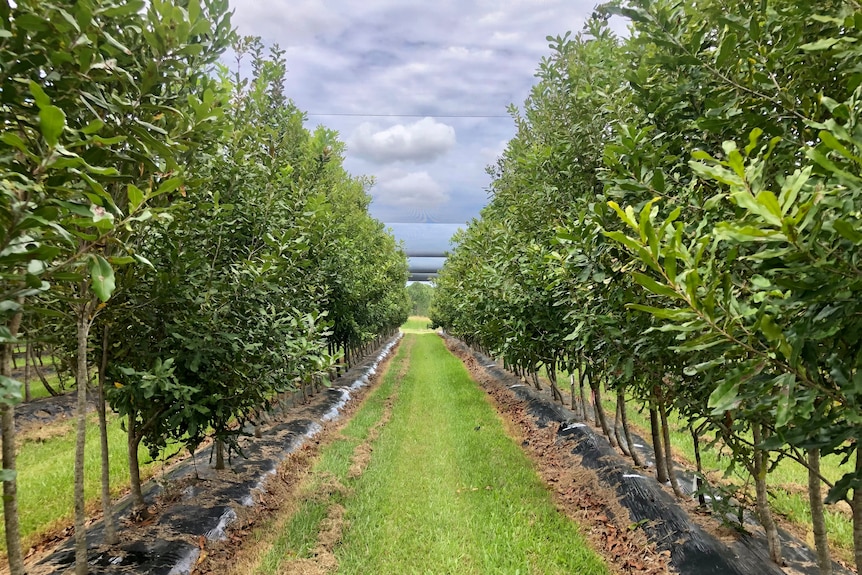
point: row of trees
(170, 224)
(420, 294)
(679, 220)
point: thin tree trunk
(534, 375)
(633, 451)
(763, 511)
(572, 388)
(600, 411)
(27, 394)
(552, 377)
(857, 513)
(818, 522)
(695, 440)
(655, 428)
(219, 445)
(81, 377)
(133, 441)
(10, 487)
(668, 451)
(582, 376)
(624, 446)
(107, 508)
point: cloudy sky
(417, 90)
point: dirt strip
(192, 505)
(635, 522)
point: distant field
(417, 324)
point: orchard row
(679, 220)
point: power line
(409, 115)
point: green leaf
(39, 95)
(116, 44)
(93, 127)
(768, 200)
(664, 313)
(52, 120)
(848, 231)
(744, 234)
(121, 9)
(822, 44)
(10, 391)
(728, 44)
(744, 199)
(643, 253)
(654, 286)
(136, 197)
(832, 142)
(167, 186)
(624, 215)
(724, 397)
(786, 398)
(101, 277)
(790, 190)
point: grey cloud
(411, 190)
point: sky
(418, 91)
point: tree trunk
(534, 375)
(633, 451)
(27, 394)
(552, 377)
(10, 487)
(582, 376)
(107, 507)
(668, 451)
(600, 411)
(81, 377)
(655, 428)
(763, 510)
(134, 440)
(621, 441)
(695, 440)
(219, 445)
(818, 522)
(572, 388)
(857, 513)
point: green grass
(46, 476)
(439, 495)
(416, 324)
(37, 390)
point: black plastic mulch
(693, 550)
(205, 507)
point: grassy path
(444, 490)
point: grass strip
(298, 534)
(445, 491)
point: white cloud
(421, 141)
(411, 190)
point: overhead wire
(354, 115)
